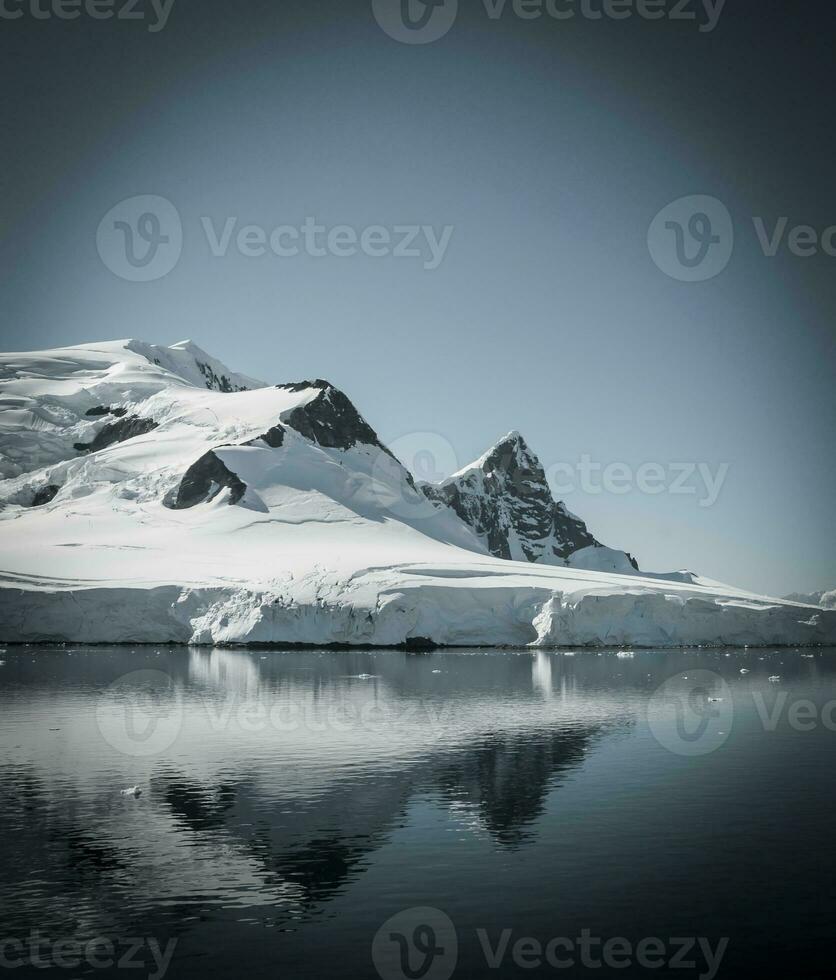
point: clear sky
(547, 146)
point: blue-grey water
(425, 815)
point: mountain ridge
(293, 524)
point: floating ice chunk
(132, 791)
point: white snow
(824, 599)
(600, 560)
(326, 546)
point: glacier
(150, 494)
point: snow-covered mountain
(56, 399)
(505, 497)
(151, 494)
(826, 598)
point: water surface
(293, 802)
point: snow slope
(144, 498)
(824, 598)
(49, 399)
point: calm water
(292, 802)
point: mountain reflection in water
(276, 786)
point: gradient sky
(549, 146)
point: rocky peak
(505, 497)
(511, 464)
(330, 419)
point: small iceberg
(744, 670)
(775, 678)
(132, 791)
(625, 654)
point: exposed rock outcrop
(505, 497)
(45, 494)
(115, 432)
(203, 481)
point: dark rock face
(203, 481)
(506, 499)
(273, 437)
(296, 386)
(218, 382)
(571, 533)
(100, 410)
(331, 420)
(45, 495)
(206, 477)
(114, 432)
